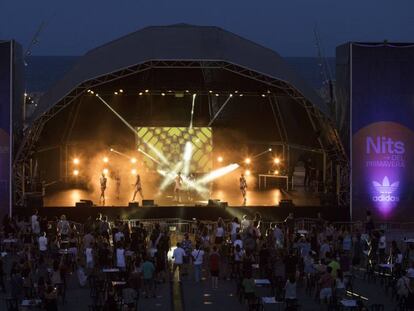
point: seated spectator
(129, 297)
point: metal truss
(330, 144)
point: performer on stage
(177, 188)
(103, 181)
(190, 190)
(118, 185)
(138, 188)
(243, 188)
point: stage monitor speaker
(216, 203)
(84, 204)
(224, 204)
(148, 203)
(133, 204)
(213, 203)
(285, 203)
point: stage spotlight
(210, 92)
(133, 160)
(91, 92)
(217, 95)
(236, 91)
(247, 172)
(146, 91)
(75, 161)
(276, 172)
(133, 171)
(187, 91)
(112, 150)
(116, 93)
(220, 159)
(241, 95)
(263, 95)
(276, 161)
(75, 172)
(105, 160)
(217, 173)
(162, 94)
(247, 161)
(105, 171)
(140, 93)
(270, 149)
(121, 90)
(231, 95)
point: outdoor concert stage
(192, 99)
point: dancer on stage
(243, 188)
(118, 185)
(103, 181)
(138, 188)
(190, 190)
(177, 188)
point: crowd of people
(119, 262)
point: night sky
(75, 26)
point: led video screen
(176, 148)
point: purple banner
(5, 126)
(382, 79)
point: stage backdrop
(5, 125)
(381, 98)
(169, 147)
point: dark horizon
(75, 27)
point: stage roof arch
(175, 43)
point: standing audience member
(214, 263)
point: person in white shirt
(219, 234)
(119, 235)
(34, 217)
(238, 241)
(279, 237)
(120, 258)
(42, 242)
(89, 258)
(245, 223)
(197, 255)
(325, 248)
(63, 227)
(178, 256)
(235, 227)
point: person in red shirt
(214, 262)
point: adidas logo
(385, 190)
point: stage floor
(270, 197)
